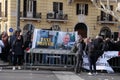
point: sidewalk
(53, 75)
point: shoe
(89, 73)
(13, 68)
(19, 67)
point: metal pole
(18, 14)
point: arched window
(105, 32)
(27, 28)
(55, 27)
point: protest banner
(102, 62)
(53, 39)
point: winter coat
(17, 47)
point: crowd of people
(12, 48)
(94, 48)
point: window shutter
(110, 16)
(6, 8)
(24, 8)
(86, 9)
(61, 6)
(77, 9)
(103, 15)
(34, 8)
(55, 7)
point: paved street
(53, 75)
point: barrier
(64, 58)
(49, 57)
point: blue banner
(53, 39)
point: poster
(53, 39)
(102, 62)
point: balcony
(106, 20)
(57, 17)
(30, 17)
(3, 17)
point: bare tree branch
(105, 7)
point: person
(106, 46)
(117, 44)
(11, 40)
(28, 45)
(17, 52)
(5, 50)
(98, 45)
(1, 46)
(79, 54)
(90, 51)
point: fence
(63, 58)
(50, 57)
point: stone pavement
(53, 75)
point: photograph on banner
(66, 40)
(53, 39)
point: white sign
(102, 63)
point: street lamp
(18, 15)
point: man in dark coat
(90, 51)
(79, 54)
(98, 44)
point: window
(29, 5)
(55, 27)
(106, 17)
(82, 9)
(57, 7)
(29, 8)
(6, 5)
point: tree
(104, 5)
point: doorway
(82, 29)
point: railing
(51, 16)
(106, 20)
(28, 16)
(48, 57)
(64, 58)
(3, 16)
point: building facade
(60, 15)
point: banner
(53, 39)
(102, 63)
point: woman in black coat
(17, 52)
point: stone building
(60, 15)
